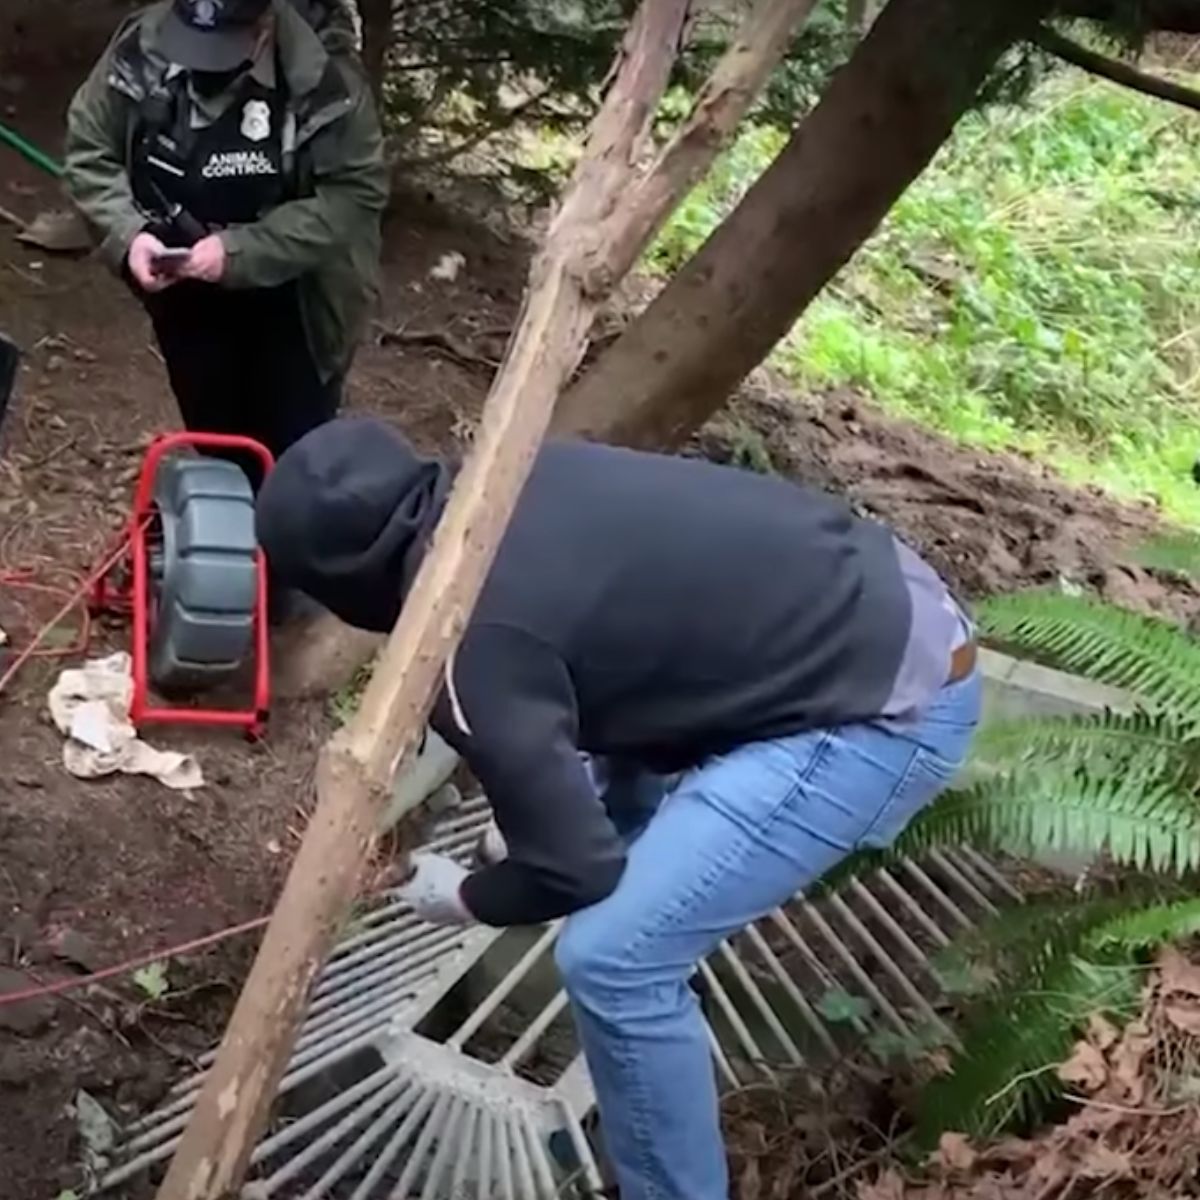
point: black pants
(239, 362)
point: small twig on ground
(854, 1169)
(439, 339)
(50, 456)
(11, 218)
(133, 964)
(172, 1053)
(76, 1003)
(1128, 1110)
(1017, 1080)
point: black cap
(211, 35)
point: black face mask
(213, 83)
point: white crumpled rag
(90, 704)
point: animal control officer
(233, 167)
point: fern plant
(1124, 785)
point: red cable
(74, 598)
(134, 964)
(145, 960)
(25, 579)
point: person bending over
(767, 682)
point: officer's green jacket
(327, 238)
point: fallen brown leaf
(1092, 1121)
(998, 1189)
(954, 1153)
(1011, 1150)
(1085, 1069)
(1128, 1060)
(1053, 1160)
(1184, 1015)
(1177, 974)
(889, 1186)
(1100, 1161)
(1102, 1033)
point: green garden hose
(27, 150)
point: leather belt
(962, 662)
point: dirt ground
(91, 875)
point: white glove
(433, 890)
(491, 847)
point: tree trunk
(377, 41)
(882, 119)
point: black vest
(231, 172)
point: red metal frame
(135, 598)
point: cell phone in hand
(168, 262)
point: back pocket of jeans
(926, 776)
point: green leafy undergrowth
(1038, 287)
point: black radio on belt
(201, 176)
(159, 163)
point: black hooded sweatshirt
(658, 610)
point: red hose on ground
(134, 964)
(144, 960)
(76, 598)
(26, 580)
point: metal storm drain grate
(443, 1064)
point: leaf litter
(1131, 1129)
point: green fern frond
(1004, 1070)
(1153, 925)
(1145, 815)
(1177, 552)
(1152, 658)
(1151, 743)
(1054, 964)
(1139, 820)
(1017, 943)
(1020, 941)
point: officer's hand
(207, 260)
(142, 252)
(432, 890)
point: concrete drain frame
(441, 1063)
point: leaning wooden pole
(587, 250)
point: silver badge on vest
(256, 121)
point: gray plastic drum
(202, 627)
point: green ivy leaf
(842, 1008)
(959, 976)
(153, 980)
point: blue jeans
(738, 836)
